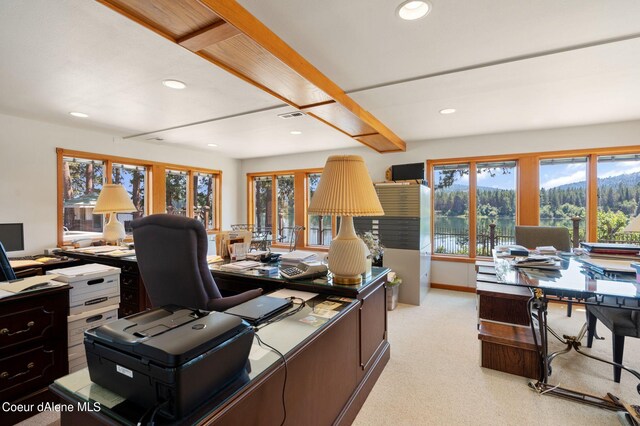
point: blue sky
(554, 175)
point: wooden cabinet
(33, 346)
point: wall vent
(289, 115)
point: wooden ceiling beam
(232, 12)
(215, 33)
(227, 35)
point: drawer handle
(5, 331)
(96, 281)
(5, 374)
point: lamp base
(342, 280)
(347, 255)
(114, 230)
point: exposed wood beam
(227, 35)
(205, 37)
(232, 12)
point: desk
(325, 383)
(33, 347)
(582, 286)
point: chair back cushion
(537, 236)
(172, 258)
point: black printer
(171, 355)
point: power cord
(284, 315)
(284, 385)
(154, 410)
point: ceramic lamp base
(114, 230)
(347, 255)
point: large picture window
(177, 190)
(278, 203)
(451, 209)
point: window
(278, 202)
(451, 209)
(179, 190)
(618, 197)
(176, 192)
(495, 205)
(563, 193)
(285, 208)
(262, 196)
(320, 230)
(204, 198)
(82, 182)
(134, 179)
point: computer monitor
(12, 236)
(6, 271)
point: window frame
(300, 200)
(155, 189)
(527, 188)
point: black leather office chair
(537, 236)
(621, 322)
(172, 258)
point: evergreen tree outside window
(133, 179)
(319, 232)
(204, 199)
(451, 209)
(82, 183)
(285, 207)
(563, 193)
(262, 202)
(176, 192)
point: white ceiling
(503, 64)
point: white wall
(28, 174)
(583, 137)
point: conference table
(573, 279)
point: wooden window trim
(155, 184)
(528, 193)
(301, 202)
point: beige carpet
(434, 376)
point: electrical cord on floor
(284, 385)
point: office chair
(537, 236)
(621, 322)
(172, 258)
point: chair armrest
(224, 303)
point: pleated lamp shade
(345, 189)
(114, 198)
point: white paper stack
(240, 266)
(297, 256)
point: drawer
(129, 268)
(129, 296)
(28, 324)
(27, 370)
(129, 281)
(127, 309)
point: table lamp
(345, 189)
(113, 199)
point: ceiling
(504, 65)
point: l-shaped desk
(331, 367)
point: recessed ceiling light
(213, 145)
(447, 111)
(413, 9)
(79, 114)
(295, 132)
(174, 84)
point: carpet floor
(434, 375)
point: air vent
(155, 138)
(289, 115)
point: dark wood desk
(33, 347)
(328, 378)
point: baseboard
(453, 287)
